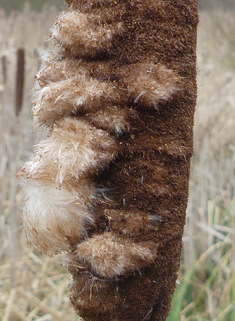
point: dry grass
(213, 170)
(34, 287)
(207, 290)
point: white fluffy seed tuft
(73, 149)
(69, 96)
(54, 217)
(84, 34)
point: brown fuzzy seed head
(152, 84)
(84, 35)
(74, 95)
(110, 256)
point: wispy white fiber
(70, 96)
(83, 34)
(73, 149)
(57, 68)
(54, 217)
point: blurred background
(33, 286)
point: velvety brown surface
(151, 173)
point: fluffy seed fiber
(57, 68)
(73, 149)
(70, 96)
(112, 119)
(83, 34)
(152, 84)
(110, 256)
(55, 217)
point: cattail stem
(19, 80)
(4, 69)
